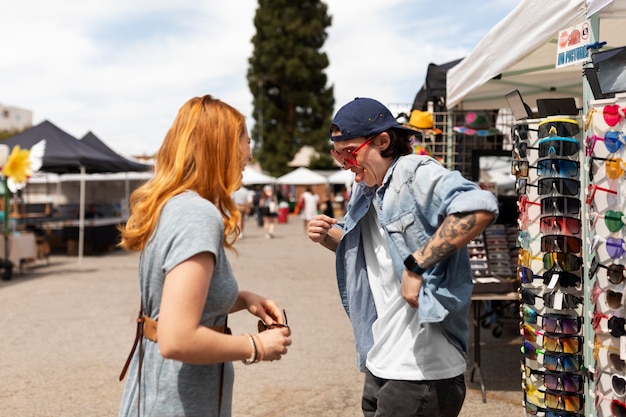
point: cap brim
(407, 129)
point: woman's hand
(265, 309)
(274, 342)
(271, 343)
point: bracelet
(325, 238)
(253, 356)
(260, 352)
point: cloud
(122, 69)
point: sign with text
(572, 45)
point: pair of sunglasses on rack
(618, 408)
(615, 325)
(614, 220)
(565, 186)
(593, 189)
(534, 410)
(558, 146)
(615, 246)
(523, 202)
(556, 300)
(548, 147)
(555, 362)
(556, 205)
(613, 299)
(552, 343)
(262, 326)
(520, 149)
(618, 385)
(564, 168)
(613, 356)
(552, 205)
(558, 400)
(567, 382)
(551, 243)
(566, 261)
(561, 381)
(562, 127)
(561, 243)
(614, 272)
(614, 167)
(613, 114)
(560, 225)
(553, 323)
(565, 279)
(613, 142)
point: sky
(122, 69)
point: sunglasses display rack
(606, 252)
(546, 162)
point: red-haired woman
(182, 220)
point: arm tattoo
(455, 225)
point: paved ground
(66, 328)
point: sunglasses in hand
(262, 326)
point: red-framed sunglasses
(347, 158)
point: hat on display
(476, 123)
(423, 120)
(365, 117)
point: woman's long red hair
(201, 152)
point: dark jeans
(394, 398)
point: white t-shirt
(404, 348)
(240, 197)
(309, 210)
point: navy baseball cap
(364, 117)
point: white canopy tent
(343, 177)
(253, 177)
(520, 53)
(302, 176)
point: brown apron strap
(147, 327)
(138, 341)
(138, 337)
(226, 330)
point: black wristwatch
(411, 264)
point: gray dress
(187, 226)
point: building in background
(13, 118)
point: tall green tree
(292, 103)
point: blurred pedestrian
(326, 204)
(182, 220)
(240, 198)
(269, 210)
(258, 193)
(403, 268)
(308, 207)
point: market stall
(569, 181)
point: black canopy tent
(123, 164)
(65, 154)
(434, 88)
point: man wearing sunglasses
(403, 268)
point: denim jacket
(416, 195)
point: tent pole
(81, 215)
(7, 266)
